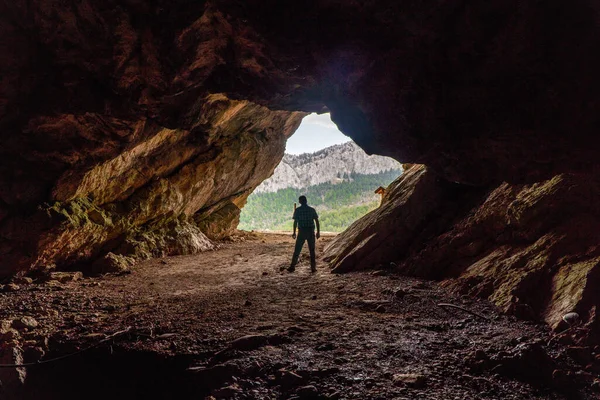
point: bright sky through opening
(315, 133)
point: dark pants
(305, 235)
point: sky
(315, 133)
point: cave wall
(480, 92)
(134, 128)
(532, 249)
(154, 198)
(117, 138)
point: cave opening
(339, 179)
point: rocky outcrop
(156, 197)
(529, 248)
(327, 165)
(417, 202)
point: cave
(134, 131)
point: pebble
(64, 277)
(24, 323)
(416, 381)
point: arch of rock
(136, 128)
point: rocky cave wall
(132, 127)
(117, 141)
(530, 248)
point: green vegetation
(338, 204)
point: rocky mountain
(327, 165)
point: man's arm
(318, 228)
(295, 226)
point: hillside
(338, 204)
(328, 165)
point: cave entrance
(336, 175)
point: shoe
(291, 269)
(313, 269)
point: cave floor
(313, 335)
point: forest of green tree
(338, 204)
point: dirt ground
(231, 324)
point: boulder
(414, 204)
(64, 277)
(113, 263)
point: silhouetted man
(305, 218)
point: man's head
(302, 200)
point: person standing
(305, 219)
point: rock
(249, 342)
(528, 362)
(12, 379)
(513, 288)
(340, 360)
(220, 221)
(216, 374)
(22, 280)
(9, 336)
(279, 339)
(289, 379)
(477, 361)
(379, 273)
(247, 303)
(307, 392)
(226, 392)
(113, 263)
(11, 287)
(298, 171)
(5, 325)
(55, 285)
(325, 347)
(582, 355)
(571, 318)
(24, 323)
(64, 277)
(33, 353)
(416, 381)
(380, 308)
